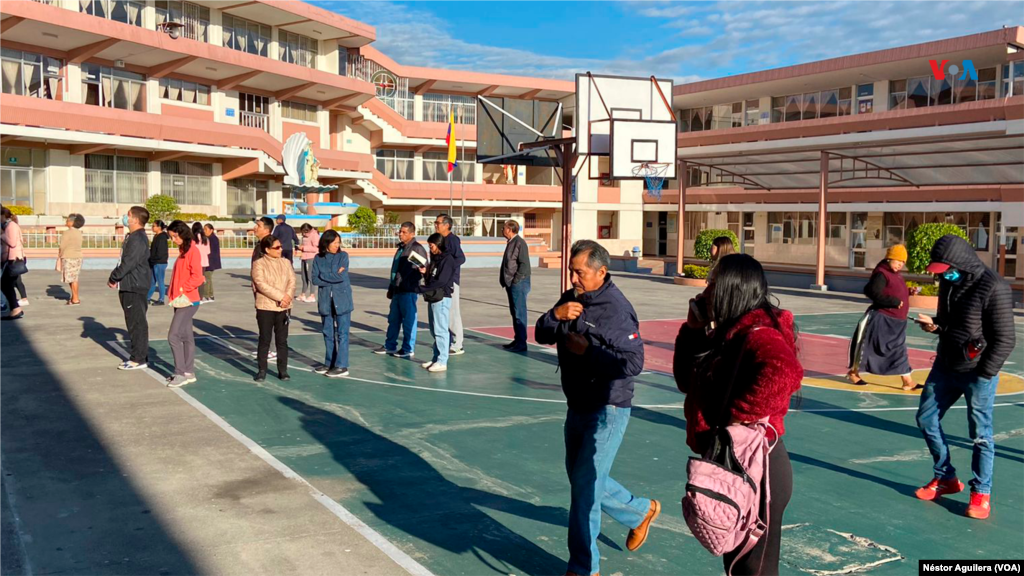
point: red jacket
(188, 275)
(767, 373)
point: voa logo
(939, 70)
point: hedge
(692, 271)
(21, 210)
(920, 242)
(702, 245)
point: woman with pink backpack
(736, 361)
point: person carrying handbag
(437, 289)
(12, 260)
(736, 355)
(184, 295)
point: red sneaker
(937, 487)
(979, 507)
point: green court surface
(463, 471)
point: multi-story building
(101, 108)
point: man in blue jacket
(410, 255)
(599, 353)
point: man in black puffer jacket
(599, 353)
(976, 335)
(132, 278)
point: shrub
(918, 289)
(702, 245)
(920, 242)
(390, 218)
(692, 271)
(162, 207)
(364, 220)
(21, 210)
(191, 217)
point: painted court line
(401, 558)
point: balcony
(254, 120)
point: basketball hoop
(653, 174)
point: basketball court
(461, 472)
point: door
(16, 187)
(662, 233)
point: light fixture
(318, 32)
(211, 68)
(321, 92)
(50, 35)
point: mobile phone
(697, 309)
(922, 322)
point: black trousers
(273, 324)
(7, 284)
(763, 559)
(135, 306)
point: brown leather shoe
(637, 536)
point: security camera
(172, 29)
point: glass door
(858, 239)
(16, 187)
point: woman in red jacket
(734, 337)
(184, 297)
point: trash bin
(636, 251)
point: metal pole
(819, 272)
(462, 212)
(568, 162)
(682, 177)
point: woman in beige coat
(69, 255)
(273, 279)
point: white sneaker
(23, 302)
(456, 351)
(435, 367)
(129, 365)
(270, 356)
(402, 354)
(427, 365)
(190, 378)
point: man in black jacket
(158, 263)
(514, 277)
(976, 335)
(132, 278)
(599, 353)
(286, 234)
(405, 278)
(453, 245)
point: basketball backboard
(630, 120)
(502, 124)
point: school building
(107, 102)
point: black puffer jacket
(132, 273)
(977, 309)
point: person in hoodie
(600, 351)
(879, 344)
(976, 335)
(437, 289)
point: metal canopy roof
(986, 153)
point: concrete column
(819, 273)
(683, 178)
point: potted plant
(919, 249)
(693, 276)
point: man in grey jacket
(515, 279)
(131, 278)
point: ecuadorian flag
(450, 140)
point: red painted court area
(821, 355)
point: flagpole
(462, 212)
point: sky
(685, 41)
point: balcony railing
(100, 240)
(438, 111)
(253, 120)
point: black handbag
(17, 267)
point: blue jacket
(214, 259)
(440, 276)
(453, 246)
(603, 374)
(333, 287)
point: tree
(363, 221)
(702, 244)
(162, 207)
(921, 239)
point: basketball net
(653, 174)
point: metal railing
(100, 240)
(253, 120)
(437, 110)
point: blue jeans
(402, 316)
(438, 314)
(591, 441)
(156, 281)
(517, 307)
(942, 389)
(335, 330)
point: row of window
(28, 74)
(925, 91)
(183, 91)
(398, 165)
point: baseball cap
(937, 267)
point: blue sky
(685, 41)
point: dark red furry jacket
(768, 373)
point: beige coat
(272, 278)
(71, 244)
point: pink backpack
(723, 494)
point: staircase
(546, 257)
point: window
(182, 91)
(695, 223)
(27, 74)
(115, 179)
(733, 220)
(698, 119)
(1013, 78)
(927, 91)
(298, 111)
(751, 116)
(436, 108)
(296, 49)
(836, 228)
(246, 36)
(435, 167)
(865, 98)
(112, 88)
(395, 164)
(858, 239)
(978, 229)
(127, 11)
(748, 230)
(791, 227)
(187, 182)
(897, 94)
(778, 109)
(968, 90)
(22, 176)
(254, 111)
(247, 197)
(835, 103)
(195, 20)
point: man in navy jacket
(599, 353)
